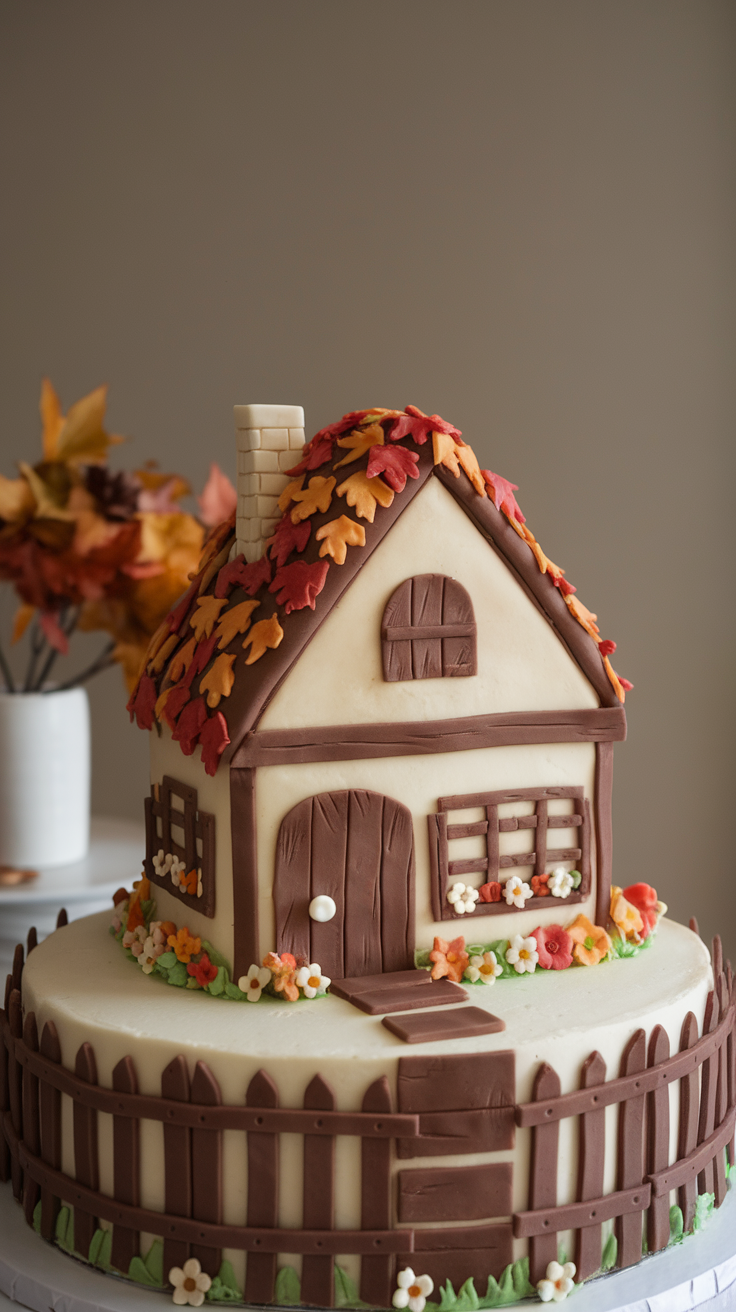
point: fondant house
(394, 691)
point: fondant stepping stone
(461, 1024)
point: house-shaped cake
(406, 716)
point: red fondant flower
(554, 946)
(644, 898)
(203, 970)
(540, 885)
(490, 892)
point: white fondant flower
(150, 954)
(516, 891)
(413, 1291)
(312, 981)
(177, 870)
(462, 898)
(162, 862)
(119, 915)
(190, 1283)
(558, 1282)
(561, 882)
(156, 933)
(484, 969)
(253, 984)
(199, 883)
(133, 939)
(523, 955)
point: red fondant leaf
(214, 738)
(607, 647)
(238, 574)
(396, 462)
(189, 724)
(203, 653)
(315, 454)
(143, 702)
(177, 700)
(565, 588)
(218, 499)
(418, 426)
(177, 616)
(502, 493)
(297, 585)
(287, 538)
(625, 684)
(53, 633)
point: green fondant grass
(224, 1287)
(288, 1288)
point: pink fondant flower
(644, 898)
(554, 946)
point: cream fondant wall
(418, 781)
(522, 665)
(213, 794)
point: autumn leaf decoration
(264, 634)
(206, 615)
(365, 493)
(338, 535)
(358, 442)
(219, 679)
(235, 621)
(317, 496)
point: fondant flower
(119, 916)
(483, 969)
(462, 898)
(176, 870)
(413, 1291)
(311, 980)
(522, 954)
(203, 970)
(190, 1283)
(644, 898)
(162, 863)
(157, 932)
(540, 885)
(516, 891)
(150, 954)
(133, 939)
(490, 892)
(283, 971)
(253, 984)
(625, 915)
(554, 946)
(558, 1282)
(188, 883)
(200, 890)
(450, 959)
(184, 944)
(591, 942)
(561, 882)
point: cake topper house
(395, 693)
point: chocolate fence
(33, 1080)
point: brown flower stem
(68, 624)
(7, 675)
(104, 660)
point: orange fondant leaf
(583, 615)
(219, 680)
(206, 615)
(469, 462)
(266, 633)
(445, 452)
(235, 621)
(529, 537)
(182, 660)
(338, 535)
(615, 681)
(358, 442)
(158, 709)
(363, 493)
(23, 617)
(315, 497)
(287, 496)
(163, 653)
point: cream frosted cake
(376, 1026)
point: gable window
(180, 845)
(483, 838)
(428, 631)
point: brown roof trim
(520, 559)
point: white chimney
(270, 441)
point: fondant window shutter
(523, 809)
(428, 631)
(186, 834)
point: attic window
(428, 631)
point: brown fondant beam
(572, 1215)
(603, 812)
(350, 742)
(243, 831)
(399, 633)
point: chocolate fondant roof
(196, 677)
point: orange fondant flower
(644, 898)
(490, 892)
(540, 885)
(591, 942)
(189, 882)
(449, 959)
(184, 945)
(625, 916)
(283, 971)
(167, 927)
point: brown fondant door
(357, 848)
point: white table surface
(115, 854)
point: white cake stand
(700, 1273)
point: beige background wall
(517, 213)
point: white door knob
(322, 908)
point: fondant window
(428, 631)
(481, 839)
(180, 845)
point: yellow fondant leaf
(315, 497)
(469, 462)
(158, 709)
(338, 535)
(614, 680)
(363, 493)
(266, 633)
(162, 655)
(235, 621)
(445, 451)
(206, 615)
(287, 496)
(218, 681)
(182, 660)
(358, 442)
(583, 615)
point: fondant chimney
(270, 439)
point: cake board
(700, 1273)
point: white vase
(44, 777)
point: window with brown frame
(466, 844)
(185, 838)
(428, 631)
